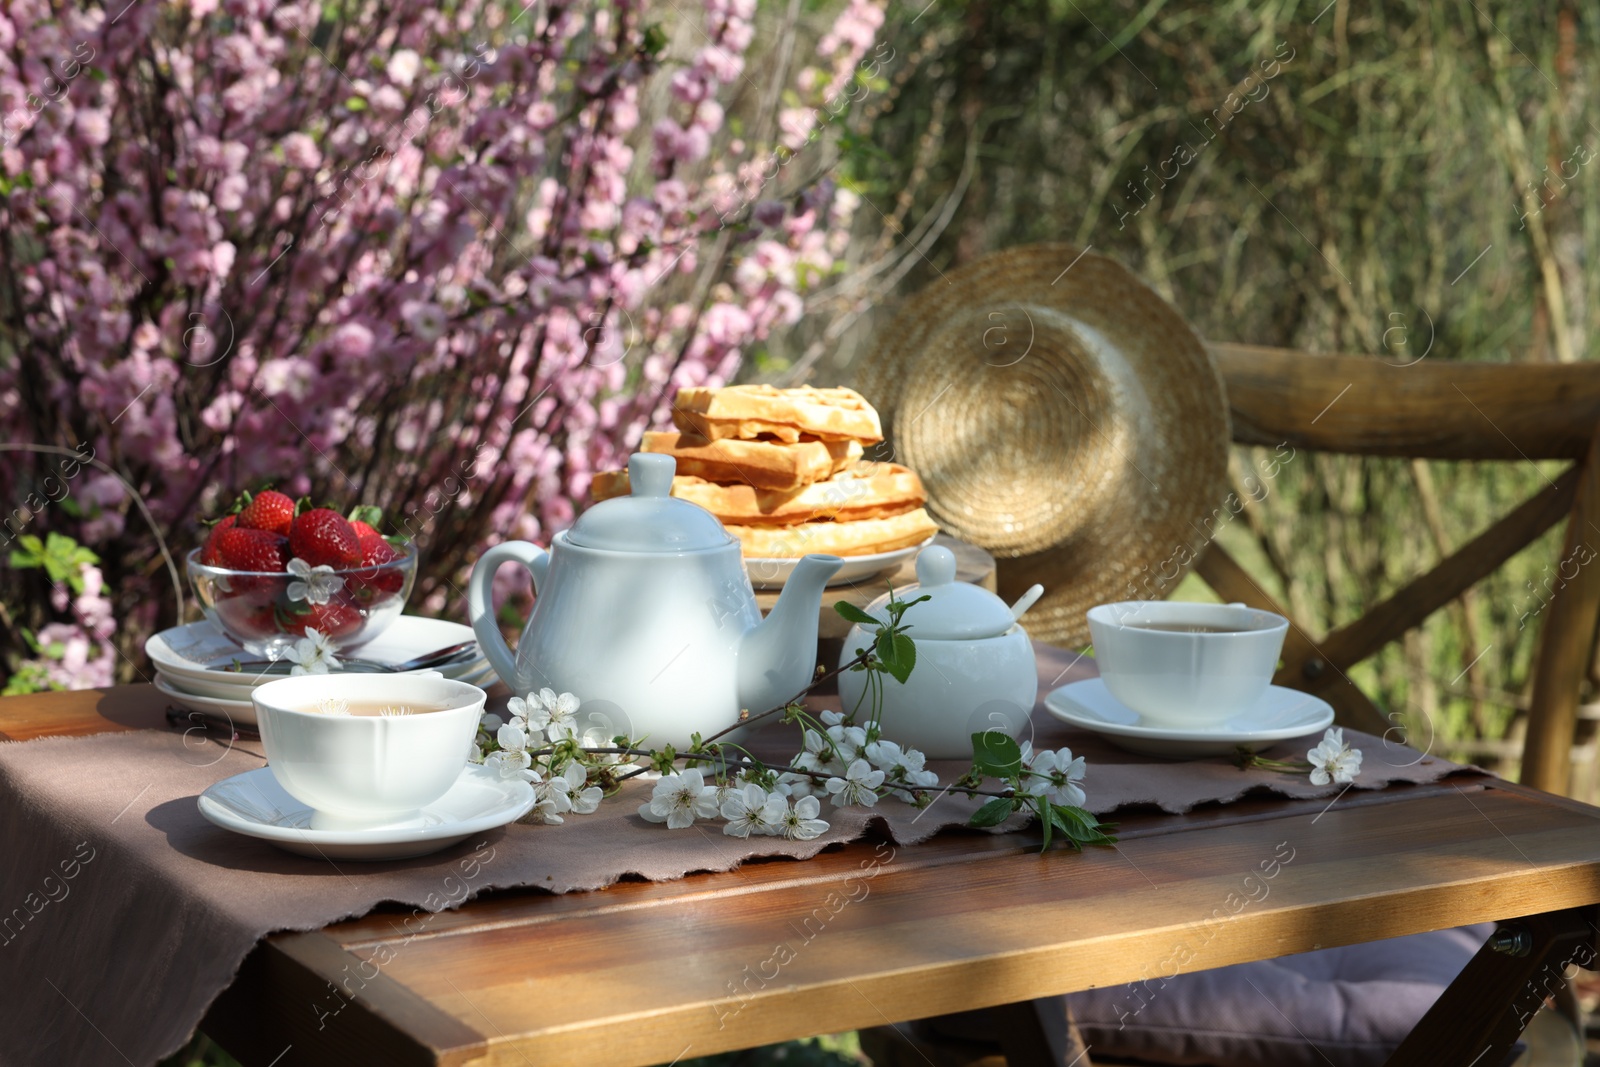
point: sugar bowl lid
(954, 611)
(650, 518)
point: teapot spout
(777, 657)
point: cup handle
(480, 601)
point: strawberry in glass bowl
(273, 570)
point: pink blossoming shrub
(431, 256)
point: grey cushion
(1349, 1007)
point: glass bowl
(349, 607)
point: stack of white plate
(192, 663)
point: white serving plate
(236, 712)
(772, 573)
(220, 700)
(201, 652)
(1280, 714)
(476, 672)
(254, 804)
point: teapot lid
(954, 611)
(649, 519)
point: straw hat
(1062, 416)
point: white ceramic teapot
(645, 612)
(975, 668)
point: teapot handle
(480, 601)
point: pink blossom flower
(300, 151)
(344, 223)
(352, 341)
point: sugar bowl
(975, 668)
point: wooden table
(645, 973)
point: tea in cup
(1186, 665)
(366, 750)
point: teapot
(975, 669)
(644, 611)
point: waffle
(864, 491)
(861, 538)
(747, 412)
(761, 464)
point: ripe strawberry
(339, 617)
(267, 510)
(248, 616)
(363, 531)
(371, 586)
(323, 536)
(251, 550)
(210, 555)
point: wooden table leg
(1039, 1032)
(1477, 1020)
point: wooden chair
(1436, 410)
(1364, 406)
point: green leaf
(993, 813)
(1041, 808)
(996, 755)
(854, 614)
(884, 648)
(31, 554)
(355, 103)
(905, 658)
(655, 40)
(1080, 826)
(367, 513)
(898, 608)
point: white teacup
(1186, 665)
(362, 769)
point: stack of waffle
(783, 470)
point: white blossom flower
(752, 810)
(1333, 760)
(883, 754)
(1055, 775)
(831, 718)
(333, 706)
(313, 654)
(523, 713)
(848, 743)
(901, 768)
(585, 798)
(599, 737)
(800, 823)
(858, 786)
(552, 798)
(797, 785)
(513, 759)
(404, 66)
(719, 791)
(561, 714)
(678, 800)
(312, 584)
(490, 721)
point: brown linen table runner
(123, 913)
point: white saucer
(772, 573)
(254, 804)
(233, 701)
(200, 652)
(237, 712)
(476, 672)
(1279, 715)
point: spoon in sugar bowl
(1026, 601)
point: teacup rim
(1106, 614)
(473, 697)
